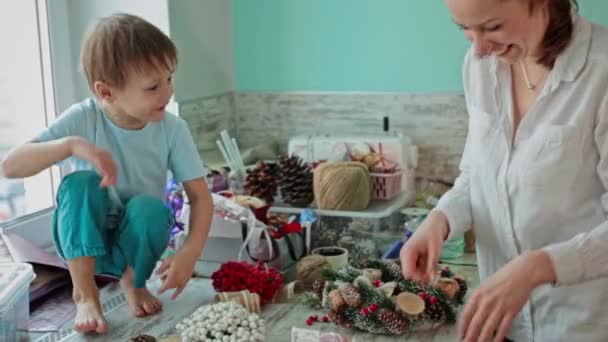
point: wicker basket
(386, 185)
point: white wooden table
(280, 318)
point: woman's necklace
(525, 72)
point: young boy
(110, 218)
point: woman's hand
(101, 159)
(491, 308)
(420, 254)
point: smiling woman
(534, 173)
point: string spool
(342, 186)
(250, 301)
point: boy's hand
(177, 270)
(98, 157)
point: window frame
(36, 227)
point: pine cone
(143, 338)
(394, 322)
(273, 168)
(434, 312)
(339, 319)
(462, 289)
(351, 295)
(449, 287)
(295, 181)
(393, 270)
(261, 182)
(318, 286)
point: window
(26, 103)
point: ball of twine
(342, 186)
(309, 269)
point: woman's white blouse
(544, 189)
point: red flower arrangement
(237, 276)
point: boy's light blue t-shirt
(143, 157)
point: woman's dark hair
(559, 31)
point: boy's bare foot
(141, 301)
(89, 316)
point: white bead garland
(225, 321)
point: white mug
(337, 257)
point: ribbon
(285, 229)
(254, 225)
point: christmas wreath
(379, 300)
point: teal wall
(595, 10)
(352, 45)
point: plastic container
(396, 147)
(365, 234)
(413, 217)
(15, 279)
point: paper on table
(310, 335)
(53, 314)
(47, 279)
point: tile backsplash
(208, 117)
(437, 123)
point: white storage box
(224, 242)
(15, 279)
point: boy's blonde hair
(123, 43)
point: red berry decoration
(325, 319)
(434, 300)
(313, 318)
(424, 295)
(237, 276)
(309, 322)
(373, 307)
(364, 311)
(377, 283)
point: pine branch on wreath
(347, 273)
(311, 300)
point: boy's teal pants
(81, 228)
